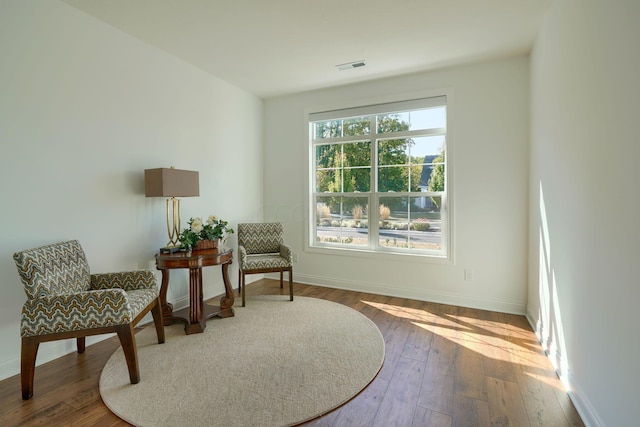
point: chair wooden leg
(156, 312)
(244, 287)
(239, 282)
(28, 365)
(128, 342)
(281, 274)
(290, 285)
(80, 343)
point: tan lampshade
(169, 182)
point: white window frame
(373, 249)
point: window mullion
(373, 198)
(341, 170)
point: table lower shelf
(208, 312)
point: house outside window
(378, 178)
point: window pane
(429, 118)
(327, 180)
(432, 178)
(427, 147)
(392, 122)
(328, 156)
(357, 153)
(327, 209)
(356, 126)
(393, 151)
(342, 220)
(416, 175)
(429, 152)
(327, 129)
(355, 221)
(426, 223)
(394, 222)
(415, 225)
(424, 177)
(356, 180)
(393, 178)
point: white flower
(196, 225)
(211, 219)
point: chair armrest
(73, 312)
(243, 256)
(127, 280)
(286, 252)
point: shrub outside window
(378, 179)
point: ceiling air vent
(351, 65)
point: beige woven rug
(276, 363)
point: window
(378, 178)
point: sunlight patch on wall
(549, 329)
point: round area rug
(276, 363)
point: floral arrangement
(213, 229)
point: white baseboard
(580, 400)
(437, 297)
(583, 406)
(9, 368)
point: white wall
(584, 209)
(84, 109)
(489, 144)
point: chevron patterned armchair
(262, 249)
(64, 300)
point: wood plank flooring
(444, 366)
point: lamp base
(170, 249)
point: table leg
(196, 321)
(226, 302)
(167, 308)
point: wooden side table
(197, 313)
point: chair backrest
(60, 268)
(261, 238)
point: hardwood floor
(444, 366)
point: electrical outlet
(468, 275)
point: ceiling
(276, 47)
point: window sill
(386, 255)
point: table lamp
(171, 183)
